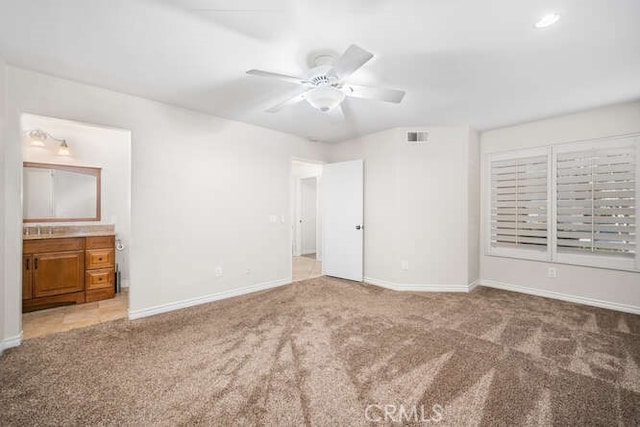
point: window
(519, 203)
(571, 203)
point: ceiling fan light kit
(325, 83)
(325, 98)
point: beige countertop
(66, 235)
(52, 231)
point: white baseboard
(560, 296)
(164, 308)
(10, 342)
(419, 287)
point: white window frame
(551, 254)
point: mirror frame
(86, 170)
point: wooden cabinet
(67, 270)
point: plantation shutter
(596, 199)
(519, 199)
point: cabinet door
(58, 273)
(27, 284)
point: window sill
(590, 261)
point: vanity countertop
(67, 231)
(67, 235)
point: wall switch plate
(405, 264)
(218, 271)
(273, 219)
(552, 273)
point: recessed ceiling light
(547, 20)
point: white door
(342, 219)
(308, 196)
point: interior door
(342, 216)
(309, 197)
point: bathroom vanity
(68, 267)
(64, 264)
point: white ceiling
(461, 61)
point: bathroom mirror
(57, 193)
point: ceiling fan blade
(379, 94)
(286, 78)
(353, 58)
(290, 101)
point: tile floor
(59, 319)
(306, 267)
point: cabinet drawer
(99, 294)
(98, 279)
(100, 258)
(52, 245)
(100, 242)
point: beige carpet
(322, 351)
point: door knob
(358, 227)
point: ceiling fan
(325, 85)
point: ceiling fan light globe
(325, 98)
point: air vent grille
(417, 137)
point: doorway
(77, 200)
(306, 226)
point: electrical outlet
(273, 219)
(247, 271)
(552, 273)
(218, 271)
(405, 264)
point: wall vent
(417, 137)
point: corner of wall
(473, 195)
(3, 137)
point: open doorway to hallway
(306, 179)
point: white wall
(417, 206)
(610, 287)
(106, 148)
(3, 142)
(203, 190)
(473, 163)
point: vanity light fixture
(63, 150)
(38, 137)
